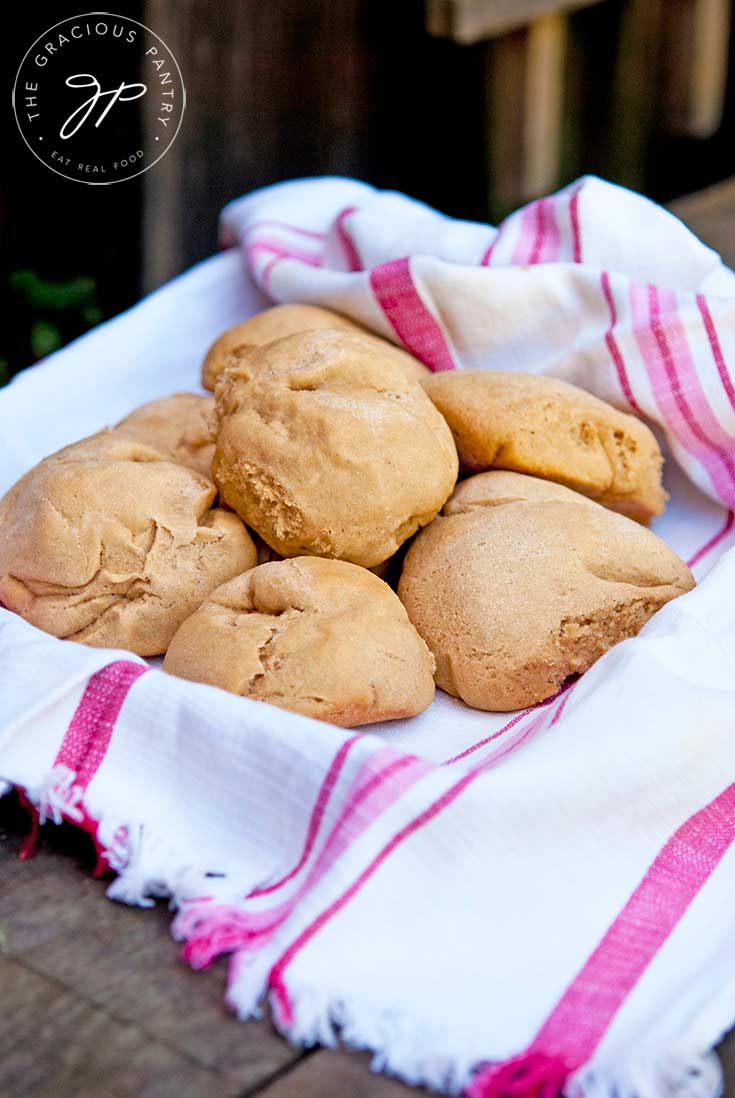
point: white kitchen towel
(524, 904)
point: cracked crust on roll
(180, 426)
(521, 583)
(319, 637)
(326, 448)
(547, 428)
(110, 543)
(284, 320)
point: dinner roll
(548, 428)
(521, 583)
(319, 637)
(179, 426)
(110, 543)
(283, 320)
(326, 448)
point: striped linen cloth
(527, 904)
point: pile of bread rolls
(258, 537)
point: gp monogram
(99, 98)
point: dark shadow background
(353, 87)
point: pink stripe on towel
(538, 237)
(411, 319)
(270, 223)
(210, 931)
(676, 386)
(487, 255)
(614, 348)
(527, 233)
(574, 1028)
(547, 239)
(280, 248)
(88, 736)
(714, 541)
(715, 347)
(574, 221)
(506, 727)
(277, 973)
(672, 326)
(354, 263)
(317, 815)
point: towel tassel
(530, 1075)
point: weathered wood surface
(473, 106)
(468, 21)
(696, 41)
(337, 1075)
(95, 1002)
(94, 999)
(711, 215)
(525, 86)
(295, 88)
(273, 91)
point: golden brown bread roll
(179, 426)
(319, 637)
(521, 583)
(548, 428)
(110, 543)
(283, 320)
(326, 448)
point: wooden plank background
(306, 87)
(96, 1003)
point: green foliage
(46, 315)
(45, 338)
(52, 296)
